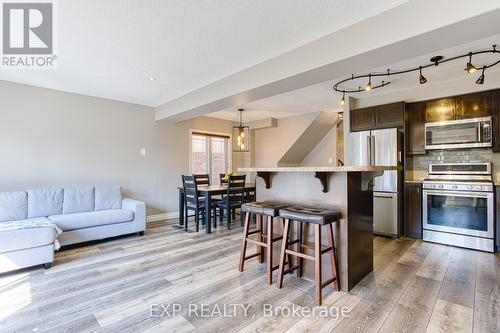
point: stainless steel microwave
(456, 134)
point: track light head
(422, 78)
(369, 85)
(342, 101)
(470, 68)
(480, 79)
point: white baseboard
(161, 217)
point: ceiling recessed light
(152, 79)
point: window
(209, 154)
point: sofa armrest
(139, 209)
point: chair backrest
(202, 179)
(222, 180)
(236, 188)
(190, 189)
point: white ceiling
(111, 48)
(320, 97)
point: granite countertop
(345, 168)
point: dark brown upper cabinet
(495, 117)
(459, 107)
(473, 105)
(377, 117)
(440, 110)
(415, 129)
(362, 119)
(390, 115)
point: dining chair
(193, 201)
(202, 179)
(222, 178)
(234, 196)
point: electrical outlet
(143, 151)
(330, 160)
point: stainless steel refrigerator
(382, 147)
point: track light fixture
(434, 61)
(470, 68)
(422, 78)
(480, 79)
(342, 101)
(369, 85)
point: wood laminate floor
(112, 286)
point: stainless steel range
(458, 205)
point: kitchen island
(347, 189)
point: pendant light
(241, 135)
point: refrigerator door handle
(369, 149)
(372, 149)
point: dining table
(208, 192)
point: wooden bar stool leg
(317, 262)
(333, 258)
(259, 238)
(288, 261)
(244, 244)
(270, 250)
(284, 246)
(300, 236)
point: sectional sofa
(30, 221)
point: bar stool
(268, 210)
(320, 218)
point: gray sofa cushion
(108, 197)
(45, 202)
(75, 221)
(78, 199)
(26, 238)
(13, 206)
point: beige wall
(53, 138)
(272, 143)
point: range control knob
(440, 186)
(470, 187)
(479, 188)
(455, 187)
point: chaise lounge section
(35, 218)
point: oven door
(465, 213)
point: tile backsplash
(418, 165)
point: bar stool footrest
(327, 282)
(298, 254)
(253, 241)
(290, 270)
(252, 256)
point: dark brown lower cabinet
(413, 210)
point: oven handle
(480, 132)
(460, 193)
